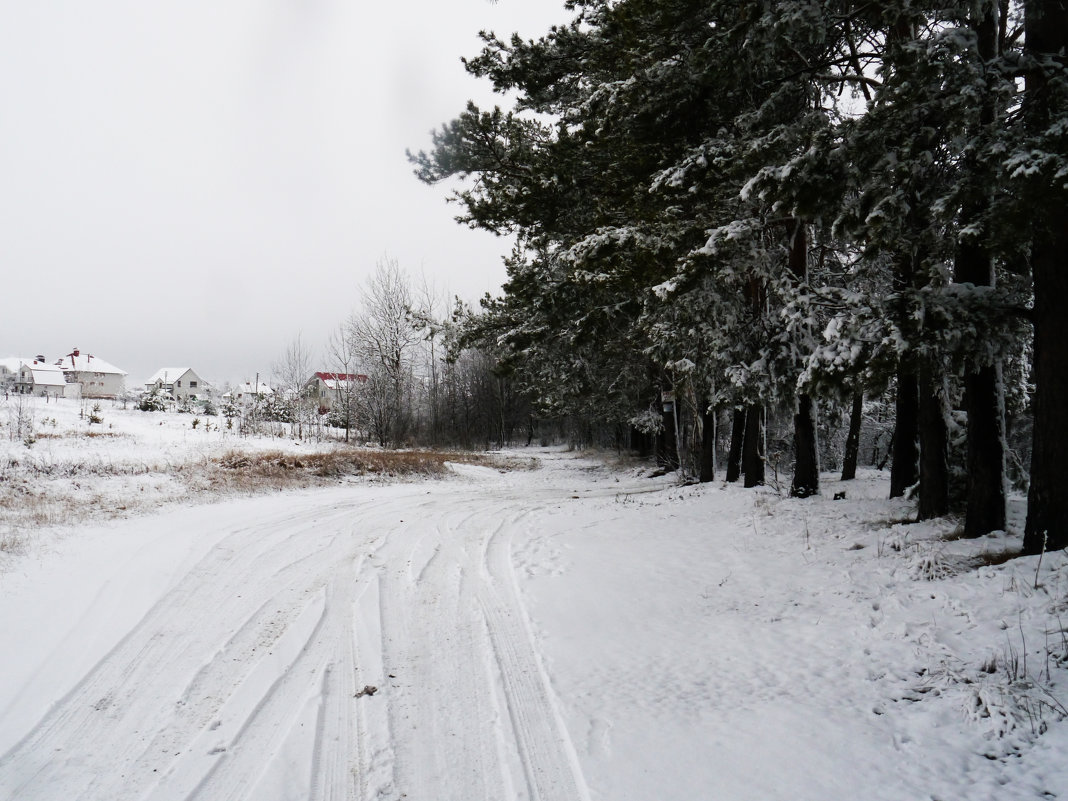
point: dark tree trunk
(852, 445)
(934, 452)
(1046, 36)
(982, 383)
(708, 446)
(903, 468)
(753, 447)
(986, 453)
(1047, 498)
(667, 453)
(734, 455)
(641, 443)
(806, 457)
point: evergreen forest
(748, 231)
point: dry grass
(35, 494)
(257, 471)
(44, 435)
(243, 471)
(995, 558)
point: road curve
(369, 643)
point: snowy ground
(579, 631)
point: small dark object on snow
(368, 690)
(839, 496)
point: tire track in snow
(240, 681)
(429, 642)
(201, 630)
(471, 710)
(549, 759)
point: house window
(192, 384)
(177, 383)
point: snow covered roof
(248, 388)
(47, 375)
(78, 362)
(168, 375)
(338, 380)
(341, 376)
(13, 363)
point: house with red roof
(330, 388)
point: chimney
(40, 358)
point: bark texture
(806, 457)
(753, 447)
(852, 445)
(708, 446)
(1046, 24)
(904, 470)
(934, 450)
(734, 455)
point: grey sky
(194, 182)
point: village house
(245, 393)
(180, 383)
(41, 379)
(98, 378)
(328, 388)
(9, 373)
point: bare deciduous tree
(383, 338)
(291, 373)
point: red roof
(341, 376)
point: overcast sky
(195, 182)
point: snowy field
(575, 631)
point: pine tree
(1038, 169)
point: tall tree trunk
(903, 468)
(667, 453)
(806, 456)
(986, 452)
(983, 394)
(934, 450)
(1046, 23)
(708, 446)
(1047, 498)
(734, 455)
(852, 445)
(753, 447)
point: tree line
(400, 374)
(754, 211)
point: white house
(329, 388)
(247, 392)
(178, 382)
(37, 377)
(9, 372)
(98, 378)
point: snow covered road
(355, 643)
(570, 633)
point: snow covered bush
(648, 422)
(153, 401)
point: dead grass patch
(257, 471)
(995, 558)
(277, 468)
(35, 493)
(39, 435)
